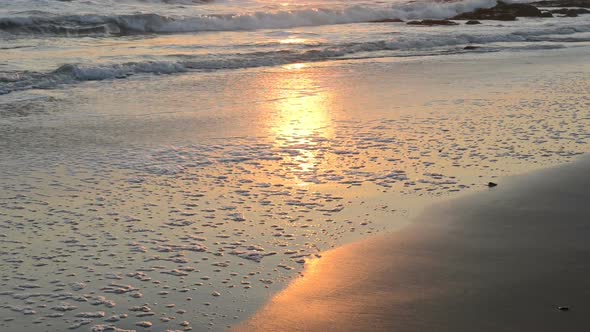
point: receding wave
(400, 46)
(154, 23)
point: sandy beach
(180, 180)
(506, 259)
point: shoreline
(496, 260)
(280, 181)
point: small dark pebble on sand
(492, 184)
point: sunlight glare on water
(302, 115)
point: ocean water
(47, 43)
(171, 165)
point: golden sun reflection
(293, 40)
(295, 66)
(300, 120)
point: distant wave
(176, 2)
(414, 45)
(153, 23)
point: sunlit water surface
(171, 165)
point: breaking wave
(40, 23)
(414, 45)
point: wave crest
(411, 45)
(154, 23)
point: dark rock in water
(387, 20)
(472, 22)
(546, 14)
(501, 12)
(519, 9)
(492, 184)
(471, 47)
(562, 3)
(568, 12)
(485, 14)
(563, 308)
(432, 22)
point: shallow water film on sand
(141, 219)
(171, 165)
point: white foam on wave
(409, 43)
(316, 17)
(155, 23)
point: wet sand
(125, 209)
(501, 260)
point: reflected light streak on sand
(301, 119)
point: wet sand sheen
(119, 223)
(503, 260)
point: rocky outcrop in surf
(432, 22)
(570, 12)
(504, 11)
(562, 3)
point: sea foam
(407, 44)
(45, 23)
